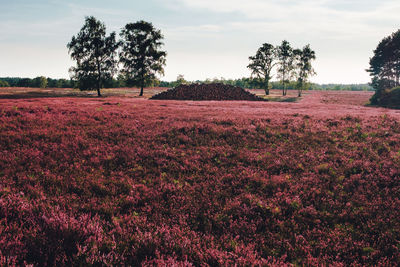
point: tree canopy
(262, 63)
(385, 65)
(303, 59)
(140, 54)
(40, 82)
(286, 58)
(4, 84)
(293, 64)
(95, 55)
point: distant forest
(250, 83)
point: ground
(126, 180)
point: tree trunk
(266, 87)
(98, 78)
(283, 83)
(98, 87)
(141, 84)
(299, 88)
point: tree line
(119, 82)
(139, 54)
(38, 82)
(256, 83)
(43, 82)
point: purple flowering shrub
(138, 182)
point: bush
(4, 84)
(94, 183)
(387, 98)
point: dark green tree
(95, 55)
(286, 59)
(4, 84)
(262, 63)
(385, 65)
(304, 69)
(140, 55)
(180, 79)
(40, 82)
(25, 82)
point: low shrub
(389, 98)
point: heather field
(132, 181)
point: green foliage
(25, 82)
(60, 83)
(95, 55)
(341, 87)
(116, 83)
(40, 82)
(389, 98)
(304, 68)
(292, 63)
(385, 68)
(37, 82)
(4, 84)
(140, 55)
(180, 79)
(256, 83)
(262, 63)
(286, 58)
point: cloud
(342, 32)
(199, 29)
(339, 17)
(224, 32)
(279, 8)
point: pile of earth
(213, 91)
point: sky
(203, 38)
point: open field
(127, 180)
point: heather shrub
(88, 182)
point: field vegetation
(125, 180)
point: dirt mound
(214, 91)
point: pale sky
(203, 38)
